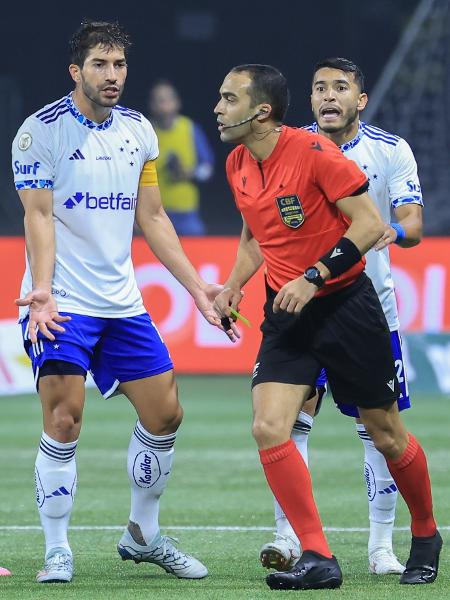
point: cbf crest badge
(291, 210)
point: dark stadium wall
(193, 43)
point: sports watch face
(312, 274)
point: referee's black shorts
(345, 332)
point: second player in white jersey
(93, 170)
(389, 163)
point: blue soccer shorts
(113, 350)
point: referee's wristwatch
(312, 274)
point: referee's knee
(268, 433)
(389, 444)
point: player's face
(234, 106)
(102, 77)
(336, 100)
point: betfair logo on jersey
(111, 202)
(291, 210)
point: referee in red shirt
(307, 215)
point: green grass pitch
(216, 482)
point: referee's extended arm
(248, 261)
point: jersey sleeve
(151, 139)
(336, 175)
(33, 161)
(149, 176)
(403, 180)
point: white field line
(195, 528)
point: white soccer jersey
(93, 170)
(389, 164)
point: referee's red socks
(290, 482)
(410, 473)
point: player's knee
(166, 422)
(387, 444)
(63, 427)
(268, 433)
(173, 421)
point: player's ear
(362, 102)
(74, 71)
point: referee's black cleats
(423, 561)
(312, 572)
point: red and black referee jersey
(289, 203)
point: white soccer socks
(56, 480)
(382, 494)
(149, 463)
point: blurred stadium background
(404, 49)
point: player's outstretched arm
(40, 241)
(165, 244)
(407, 232)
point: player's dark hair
(268, 85)
(93, 33)
(343, 64)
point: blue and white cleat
(58, 567)
(162, 553)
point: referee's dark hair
(93, 33)
(268, 85)
(343, 64)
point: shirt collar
(84, 120)
(350, 144)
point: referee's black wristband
(341, 257)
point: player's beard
(94, 95)
(340, 128)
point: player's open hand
(389, 236)
(294, 295)
(43, 314)
(205, 302)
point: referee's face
(336, 100)
(233, 109)
(102, 77)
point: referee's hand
(227, 299)
(294, 295)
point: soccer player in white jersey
(84, 168)
(338, 97)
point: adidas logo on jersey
(61, 491)
(111, 202)
(77, 155)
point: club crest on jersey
(25, 141)
(291, 210)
